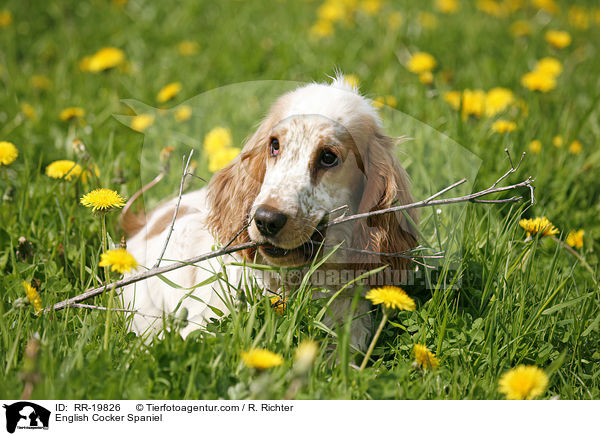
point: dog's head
(319, 153)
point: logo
(26, 415)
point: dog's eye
(329, 159)
(274, 146)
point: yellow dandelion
(538, 81)
(220, 158)
(102, 200)
(575, 238)
(188, 48)
(558, 38)
(550, 66)
(8, 153)
(395, 20)
(378, 102)
(497, 100)
(104, 59)
(278, 304)
(168, 92)
(421, 62)
(535, 146)
(447, 6)
(321, 29)
(217, 139)
(29, 111)
(182, 113)
(5, 18)
(557, 141)
(34, 297)
(427, 20)
(520, 28)
(261, 359)
(473, 103)
(491, 7)
(305, 355)
(575, 147)
(119, 260)
(539, 225)
(549, 6)
(426, 78)
(370, 7)
(72, 113)
(525, 382)
(332, 11)
(40, 82)
(63, 169)
(503, 126)
(391, 297)
(453, 98)
(352, 81)
(579, 17)
(391, 101)
(425, 358)
(141, 122)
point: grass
(514, 301)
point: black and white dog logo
(26, 415)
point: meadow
(88, 82)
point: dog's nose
(269, 221)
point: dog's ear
(386, 185)
(232, 190)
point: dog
(320, 152)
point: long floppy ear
(386, 185)
(232, 190)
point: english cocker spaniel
(319, 153)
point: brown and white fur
(296, 182)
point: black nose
(269, 221)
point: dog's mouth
(306, 251)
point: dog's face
(313, 168)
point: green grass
(515, 301)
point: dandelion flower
(575, 147)
(217, 139)
(261, 359)
(8, 153)
(332, 11)
(498, 99)
(141, 122)
(395, 20)
(550, 66)
(447, 6)
(421, 62)
(370, 7)
(549, 6)
(538, 81)
(71, 113)
(378, 102)
(535, 146)
(391, 297)
(575, 238)
(220, 158)
(168, 92)
(321, 29)
(491, 7)
(102, 200)
(278, 304)
(29, 111)
(5, 18)
(34, 297)
(391, 101)
(473, 103)
(63, 169)
(425, 358)
(40, 82)
(305, 355)
(118, 260)
(525, 382)
(538, 225)
(104, 59)
(557, 141)
(558, 38)
(579, 17)
(453, 98)
(503, 126)
(427, 20)
(188, 48)
(520, 28)
(352, 81)
(426, 78)
(183, 113)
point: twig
(135, 196)
(176, 211)
(150, 273)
